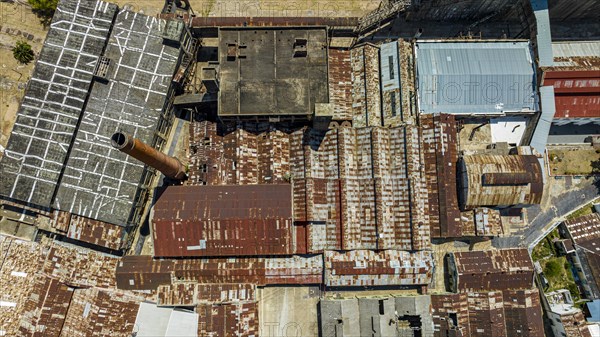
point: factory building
(500, 180)
(478, 78)
(102, 70)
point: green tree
(44, 9)
(552, 268)
(22, 52)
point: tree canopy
(22, 52)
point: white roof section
(153, 321)
(576, 49)
(508, 129)
(475, 77)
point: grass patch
(585, 210)
(546, 247)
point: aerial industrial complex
(390, 174)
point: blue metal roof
(542, 129)
(543, 38)
(475, 77)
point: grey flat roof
(475, 77)
(100, 182)
(267, 79)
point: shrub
(22, 52)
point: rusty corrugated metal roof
(238, 220)
(523, 312)
(369, 268)
(340, 83)
(440, 152)
(95, 312)
(476, 191)
(96, 232)
(143, 272)
(577, 92)
(493, 269)
(193, 294)
(235, 319)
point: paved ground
(288, 311)
(568, 134)
(558, 202)
(17, 23)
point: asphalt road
(540, 219)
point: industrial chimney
(169, 166)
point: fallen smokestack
(169, 166)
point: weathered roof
(235, 319)
(261, 73)
(224, 221)
(495, 313)
(576, 92)
(192, 294)
(100, 182)
(475, 77)
(501, 269)
(567, 49)
(500, 180)
(47, 118)
(369, 268)
(142, 272)
(440, 157)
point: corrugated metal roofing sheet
(543, 38)
(475, 77)
(540, 135)
(576, 49)
(493, 269)
(224, 221)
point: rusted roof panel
(584, 228)
(486, 314)
(477, 192)
(224, 221)
(366, 96)
(574, 325)
(440, 157)
(46, 308)
(143, 273)
(236, 319)
(95, 312)
(258, 21)
(450, 313)
(523, 313)
(577, 92)
(493, 269)
(481, 221)
(368, 268)
(192, 294)
(340, 83)
(96, 232)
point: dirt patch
(474, 136)
(584, 160)
(268, 8)
(17, 23)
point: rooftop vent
(101, 70)
(300, 48)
